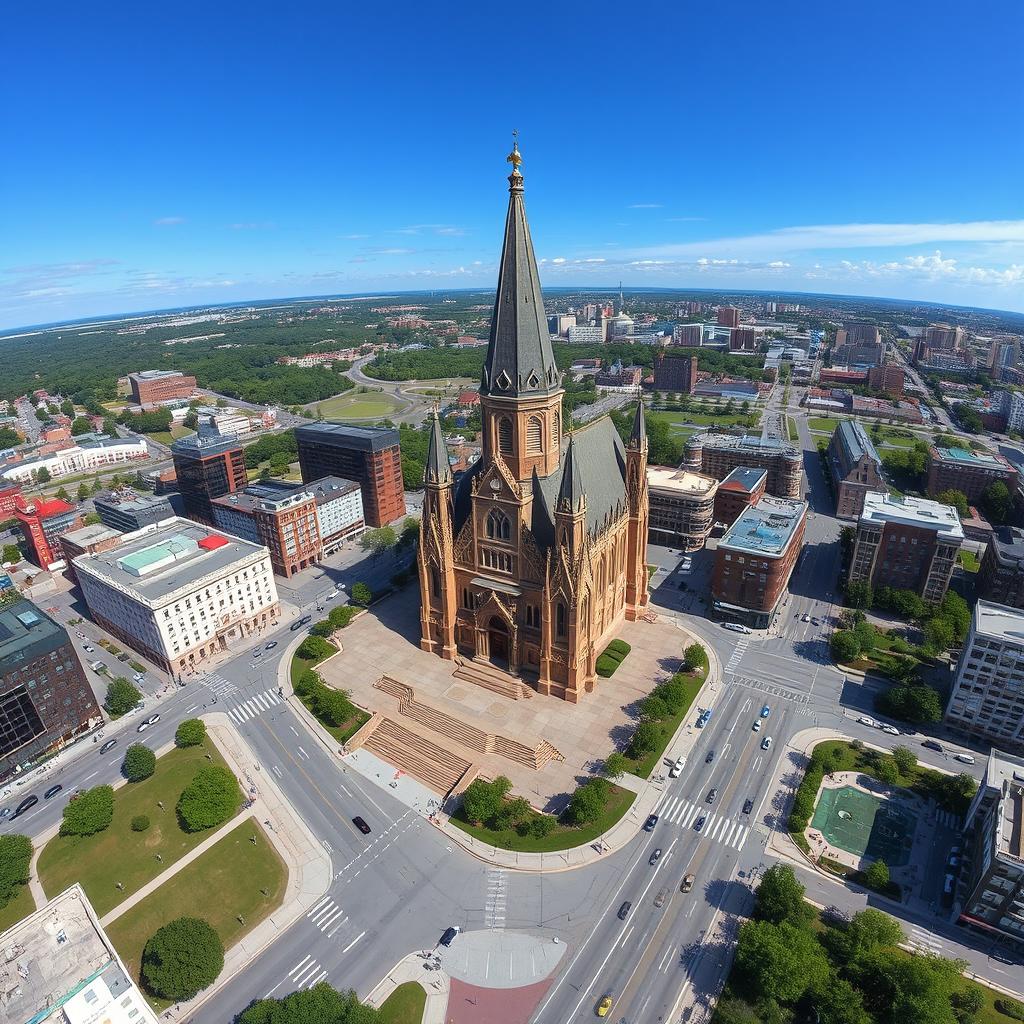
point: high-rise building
(180, 593)
(858, 334)
(1001, 577)
(369, 455)
(728, 316)
(339, 510)
(42, 522)
(675, 373)
(586, 335)
(855, 466)
(991, 887)
(681, 507)
(207, 466)
(45, 699)
(1002, 353)
(152, 386)
(968, 471)
(943, 337)
(688, 335)
(127, 511)
(987, 699)
(744, 339)
(906, 543)
(719, 454)
(889, 378)
(755, 558)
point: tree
(209, 799)
(587, 801)
(615, 764)
(541, 826)
(694, 657)
(866, 636)
(190, 733)
(482, 800)
(139, 763)
(182, 958)
(91, 519)
(379, 540)
(938, 634)
(779, 962)
(97, 487)
(780, 897)
(121, 697)
(307, 683)
(653, 708)
(877, 876)
(916, 703)
(83, 491)
(905, 760)
(997, 502)
(860, 594)
(42, 415)
(140, 823)
(81, 425)
(341, 615)
(191, 420)
(110, 426)
(644, 741)
(90, 812)
(43, 475)
(315, 648)
(62, 493)
(15, 857)
(887, 771)
(967, 1003)
(512, 813)
(332, 707)
(320, 1004)
(836, 1001)
(957, 499)
(844, 645)
(865, 932)
(361, 594)
(410, 531)
(12, 553)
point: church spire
(438, 470)
(638, 438)
(571, 497)
(520, 362)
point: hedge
(803, 803)
(1011, 1007)
(606, 666)
(619, 647)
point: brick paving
(471, 1004)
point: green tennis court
(864, 825)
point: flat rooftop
(744, 478)
(94, 533)
(765, 528)
(154, 374)
(999, 622)
(749, 442)
(348, 435)
(854, 438)
(159, 560)
(971, 459)
(680, 481)
(52, 954)
(132, 502)
(922, 513)
(26, 632)
(1005, 773)
(202, 446)
(328, 488)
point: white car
(677, 768)
(766, 743)
(805, 617)
(891, 730)
(735, 627)
(865, 720)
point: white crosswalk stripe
(219, 685)
(253, 706)
(307, 973)
(327, 915)
(737, 655)
(717, 827)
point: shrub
(877, 876)
(322, 628)
(182, 958)
(614, 655)
(139, 763)
(653, 708)
(615, 764)
(315, 648)
(136, 667)
(15, 857)
(140, 823)
(361, 594)
(541, 825)
(341, 616)
(694, 657)
(90, 813)
(482, 800)
(605, 666)
(209, 799)
(307, 683)
(588, 800)
(121, 697)
(190, 733)
(331, 706)
(1011, 1008)
(845, 645)
(619, 647)
(644, 741)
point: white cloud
(437, 229)
(645, 206)
(355, 236)
(164, 222)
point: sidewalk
(412, 967)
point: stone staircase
(432, 765)
(463, 733)
(482, 673)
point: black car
(624, 910)
(122, 656)
(651, 821)
(699, 823)
(655, 856)
(710, 757)
(932, 745)
(52, 791)
(361, 825)
(712, 793)
(449, 935)
(748, 806)
(109, 745)
(29, 801)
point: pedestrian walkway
(253, 706)
(737, 655)
(327, 916)
(218, 685)
(949, 819)
(777, 691)
(717, 827)
(494, 909)
(306, 973)
(424, 971)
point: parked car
(765, 711)
(710, 757)
(652, 820)
(29, 801)
(687, 883)
(449, 935)
(677, 768)
(735, 627)
(757, 725)
(624, 910)
(932, 745)
(805, 617)
(52, 791)
(655, 856)
(109, 745)
(361, 825)
(964, 758)
(766, 743)
(271, 645)
(748, 806)
(88, 649)
(891, 730)
(866, 720)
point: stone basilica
(531, 562)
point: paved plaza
(386, 644)
(865, 825)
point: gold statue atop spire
(515, 158)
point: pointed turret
(638, 438)
(571, 497)
(520, 362)
(438, 470)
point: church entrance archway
(498, 641)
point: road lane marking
(291, 973)
(352, 943)
(88, 777)
(303, 753)
(276, 771)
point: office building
(987, 699)
(42, 522)
(676, 374)
(968, 471)
(150, 387)
(127, 511)
(991, 887)
(369, 455)
(728, 316)
(9, 493)
(681, 507)
(85, 540)
(60, 968)
(585, 334)
(889, 378)
(45, 699)
(180, 593)
(855, 467)
(1002, 354)
(744, 339)
(207, 466)
(280, 516)
(1001, 577)
(82, 457)
(560, 323)
(339, 511)
(688, 335)
(906, 543)
(718, 455)
(858, 334)
(943, 337)
(743, 487)
(755, 559)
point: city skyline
(258, 160)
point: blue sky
(163, 155)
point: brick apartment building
(1001, 577)
(87, 540)
(675, 373)
(728, 316)
(906, 543)
(755, 560)
(855, 466)
(744, 339)
(889, 378)
(369, 455)
(9, 493)
(45, 699)
(681, 506)
(719, 454)
(968, 471)
(743, 487)
(207, 466)
(152, 386)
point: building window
(505, 436)
(534, 436)
(435, 581)
(498, 525)
(560, 619)
(556, 433)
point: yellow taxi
(604, 1006)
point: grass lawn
(118, 854)
(678, 421)
(179, 430)
(791, 429)
(232, 874)
(405, 1005)
(970, 561)
(161, 436)
(822, 424)
(372, 405)
(667, 729)
(563, 838)
(21, 905)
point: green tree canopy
(182, 958)
(481, 799)
(315, 648)
(210, 799)
(15, 857)
(333, 707)
(139, 763)
(121, 697)
(320, 1004)
(12, 553)
(645, 740)
(780, 897)
(694, 657)
(997, 502)
(859, 594)
(587, 801)
(877, 875)
(844, 645)
(90, 812)
(905, 760)
(379, 540)
(779, 962)
(361, 594)
(615, 764)
(190, 733)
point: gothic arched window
(498, 525)
(556, 433)
(560, 619)
(534, 436)
(435, 581)
(505, 436)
